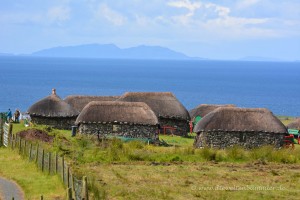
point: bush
(208, 154)
(236, 153)
(220, 156)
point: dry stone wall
(248, 139)
(55, 122)
(124, 130)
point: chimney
(53, 91)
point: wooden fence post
(30, 151)
(24, 150)
(68, 176)
(43, 154)
(10, 127)
(84, 193)
(12, 142)
(49, 162)
(73, 185)
(56, 162)
(20, 144)
(69, 193)
(37, 153)
(63, 169)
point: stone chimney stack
(53, 91)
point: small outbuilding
(54, 112)
(112, 118)
(228, 126)
(80, 101)
(294, 125)
(170, 112)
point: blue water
(272, 85)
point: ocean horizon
(249, 84)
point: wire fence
(46, 161)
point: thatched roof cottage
(80, 101)
(228, 126)
(295, 124)
(203, 109)
(126, 119)
(53, 111)
(169, 111)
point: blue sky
(219, 29)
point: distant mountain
(111, 51)
(257, 58)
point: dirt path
(9, 189)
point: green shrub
(176, 158)
(208, 153)
(236, 153)
(220, 156)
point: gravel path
(9, 189)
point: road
(9, 189)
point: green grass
(197, 180)
(135, 170)
(32, 181)
(286, 119)
(178, 141)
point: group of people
(9, 116)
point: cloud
(216, 21)
(185, 4)
(246, 3)
(110, 15)
(59, 14)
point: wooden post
(84, 191)
(12, 142)
(20, 144)
(24, 150)
(69, 194)
(37, 153)
(73, 184)
(63, 169)
(43, 154)
(49, 162)
(68, 176)
(30, 151)
(10, 128)
(56, 162)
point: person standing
(9, 115)
(17, 115)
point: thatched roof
(78, 102)
(204, 109)
(240, 119)
(52, 106)
(295, 124)
(116, 112)
(164, 104)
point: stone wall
(124, 130)
(182, 126)
(55, 122)
(248, 139)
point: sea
(273, 85)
